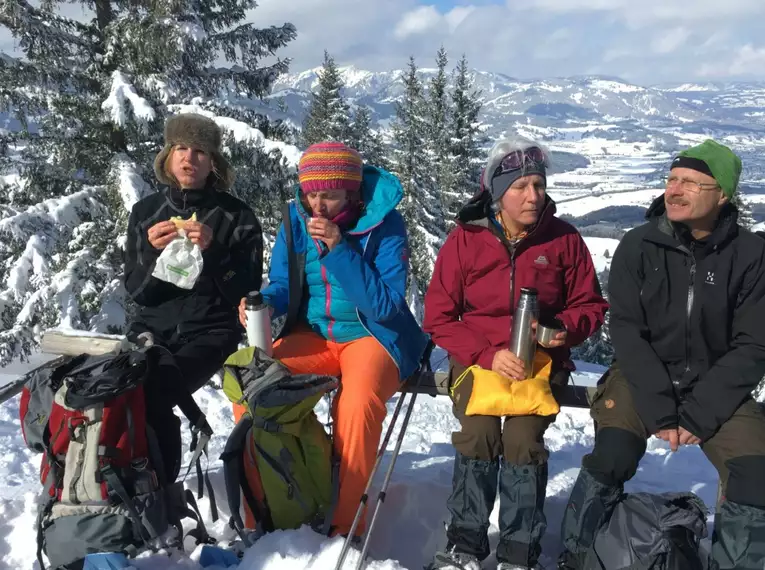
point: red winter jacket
(468, 307)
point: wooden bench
(64, 343)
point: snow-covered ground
(411, 525)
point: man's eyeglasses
(689, 185)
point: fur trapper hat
(195, 131)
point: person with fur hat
(198, 326)
(507, 237)
(346, 312)
(687, 293)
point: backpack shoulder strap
(294, 272)
(236, 482)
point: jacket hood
(725, 229)
(381, 192)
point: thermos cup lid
(254, 298)
(528, 291)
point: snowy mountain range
(588, 98)
(611, 139)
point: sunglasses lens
(512, 161)
(535, 154)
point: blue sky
(644, 41)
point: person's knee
(616, 456)
(480, 438)
(745, 482)
(354, 400)
(524, 445)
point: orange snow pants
(369, 378)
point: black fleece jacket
(233, 264)
(688, 320)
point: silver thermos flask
(258, 322)
(522, 341)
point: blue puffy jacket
(367, 270)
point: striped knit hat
(329, 165)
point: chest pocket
(664, 294)
(549, 282)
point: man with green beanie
(687, 294)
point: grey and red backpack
(104, 489)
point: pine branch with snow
(367, 140)
(744, 207)
(598, 349)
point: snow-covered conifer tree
(367, 140)
(328, 117)
(93, 96)
(464, 139)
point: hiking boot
(450, 560)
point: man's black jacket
(688, 320)
(233, 264)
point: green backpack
(279, 457)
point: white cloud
(427, 18)
(458, 15)
(668, 41)
(417, 21)
(746, 60)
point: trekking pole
(365, 496)
(424, 367)
(380, 454)
(383, 490)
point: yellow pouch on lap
(494, 395)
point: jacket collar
(184, 199)
(672, 234)
(478, 213)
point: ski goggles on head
(515, 165)
(518, 158)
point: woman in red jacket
(507, 237)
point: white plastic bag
(180, 263)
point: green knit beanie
(720, 161)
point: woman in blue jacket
(345, 306)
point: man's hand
(324, 230)
(686, 437)
(199, 234)
(670, 435)
(161, 234)
(508, 365)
